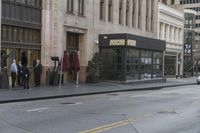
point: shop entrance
(170, 66)
(72, 45)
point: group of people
(21, 72)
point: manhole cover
(68, 103)
(168, 112)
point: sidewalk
(71, 90)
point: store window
(146, 64)
(133, 60)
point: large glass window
(18, 34)
(112, 64)
(133, 60)
(157, 64)
(146, 64)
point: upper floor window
(127, 11)
(110, 11)
(120, 12)
(81, 7)
(101, 9)
(70, 6)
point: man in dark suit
(37, 73)
(26, 76)
(19, 76)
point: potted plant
(93, 68)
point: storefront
(129, 57)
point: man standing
(13, 72)
(19, 77)
(25, 76)
(37, 73)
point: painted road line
(108, 127)
(38, 109)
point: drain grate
(113, 94)
(68, 103)
(168, 112)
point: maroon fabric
(65, 66)
(75, 62)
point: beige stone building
(171, 29)
(75, 25)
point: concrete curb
(88, 93)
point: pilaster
(46, 32)
(136, 13)
(172, 33)
(167, 32)
(143, 13)
(130, 13)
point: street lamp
(179, 64)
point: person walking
(19, 76)
(37, 72)
(26, 76)
(13, 72)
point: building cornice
(175, 13)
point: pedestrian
(26, 77)
(13, 72)
(19, 76)
(37, 72)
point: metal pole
(77, 74)
(60, 79)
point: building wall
(171, 29)
(56, 22)
(0, 29)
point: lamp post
(179, 64)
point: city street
(170, 110)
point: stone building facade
(171, 29)
(75, 25)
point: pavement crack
(16, 126)
(130, 122)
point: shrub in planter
(93, 69)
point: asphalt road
(170, 110)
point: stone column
(181, 35)
(136, 13)
(162, 31)
(106, 9)
(123, 17)
(176, 36)
(46, 32)
(130, 13)
(167, 32)
(143, 20)
(149, 15)
(172, 34)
